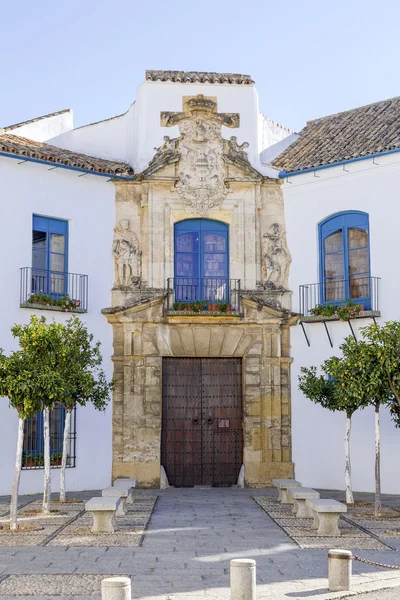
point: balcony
(210, 296)
(53, 290)
(363, 291)
(339, 300)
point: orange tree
(356, 380)
(28, 387)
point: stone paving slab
(185, 555)
(352, 537)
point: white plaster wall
(270, 132)
(47, 127)
(110, 139)
(88, 204)
(318, 435)
(133, 136)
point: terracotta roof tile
(12, 144)
(198, 77)
(358, 132)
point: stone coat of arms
(201, 168)
(199, 151)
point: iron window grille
(33, 447)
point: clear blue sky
(309, 58)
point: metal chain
(375, 564)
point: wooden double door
(202, 432)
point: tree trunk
(378, 503)
(47, 471)
(67, 427)
(347, 469)
(17, 475)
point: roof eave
(69, 167)
(284, 174)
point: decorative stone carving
(237, 150)
(201, 168)
(276, 259)
(166, 153)
(197, 106)
(127, 254)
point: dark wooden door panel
(202, 435)
(222, 420)
(181, 428)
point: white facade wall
(45, 128)
(318, 435)
(109, 139)
(132, 137)
(88, 204)
(271, 132)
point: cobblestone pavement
(192, 536)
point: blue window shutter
(201, 254)
(338, 289)
(42, 280)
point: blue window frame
(49, 256)
(345, 258)
(201, 260)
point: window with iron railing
(33, 446)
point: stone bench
(283, 485)
(326, 514)
(123, 493)
(103, 513)
(126, 481)
(122, 482)
(299, 496)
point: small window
(345, 259)
(49, 256)
(33, 447)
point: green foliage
(197, 306)
(65, 303)
(343, 312)
(37, 459)
(384, 345)
(27, 384)
(346, 389)
(58, 362)
(366, 373)
(324, 310)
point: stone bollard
(339, 570)
(243, 579)
(116, 588)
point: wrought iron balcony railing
(362, 290)
(53, 290)
(209, 292)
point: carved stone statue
(237, 150)
(126, 256)
(277, 259)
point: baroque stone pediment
(201, 153)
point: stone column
(243, 579)
(339, 569)
(116, 588)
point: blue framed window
(201, 260)
(345, 258)
(33, 446)
(49, 256)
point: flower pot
(228, 308)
